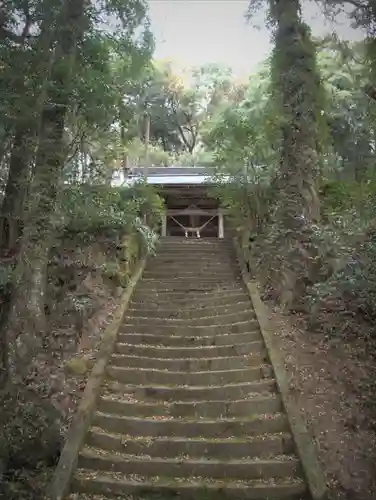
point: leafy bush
(94, 209)
(345, 304)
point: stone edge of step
(306, 447)
(116, 484)
(59, 485)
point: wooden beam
(192, 212)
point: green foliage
(94, 209)
(149, 237)
(90, 209)
(242, 134)
(348, 111)
(341, 199)
(246, 193)
(149, 204)
(345, 304)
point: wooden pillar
(147, 139)
(164, 225)
(221, 231)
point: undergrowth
(88, 261)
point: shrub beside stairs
(190, 407)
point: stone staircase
(190, 406)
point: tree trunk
(297, 87)
(26, 321)
(18, 181)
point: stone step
(191, 393)
(259, 446)
(194, 256)
(181, 289)
(196, 263)
(192, 264)
(198, 293)
(188, 330)
(182, 285)
(181, 240)
(189, 364)
(94, 459)
(188, 300)
(184, 341)
(256, 347)
(151, 376)
(190, 428)
(218, 320)
(188, 245)
(112, 484)
(181, 313)
(189, 407)
(198, 245)
(161, 263)
(220, 276)
(258, 405)
(225, 277)
(192, 280)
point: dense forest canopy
(82, 97)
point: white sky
(195, 32)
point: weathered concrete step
(198, 296)
(188, 330)
(205, 267)
(191, 285)
(172, 241)
(194, 257)
(192, 271)
(172, 247)
(180, 313)
(159, 264)
(184, 341)
(110, 484)
(234, 428)
(189, 364)
(194, 284)
(187, 300)
(192, 313)
(194, 281)
(185, 262)
(94, 459)
(181, 240)
(258, 405)
(152, 376)
(198, 276)
(260, 446)
(193, 393)
(220, 319)
(256, 347)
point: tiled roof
(166, 175)
(172, 171)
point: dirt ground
(66, 386)
(330, 382)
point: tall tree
(27, 313)
(26, 83)
(297, 96)
(75, 20)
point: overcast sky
(195, 32)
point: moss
(78, 365)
